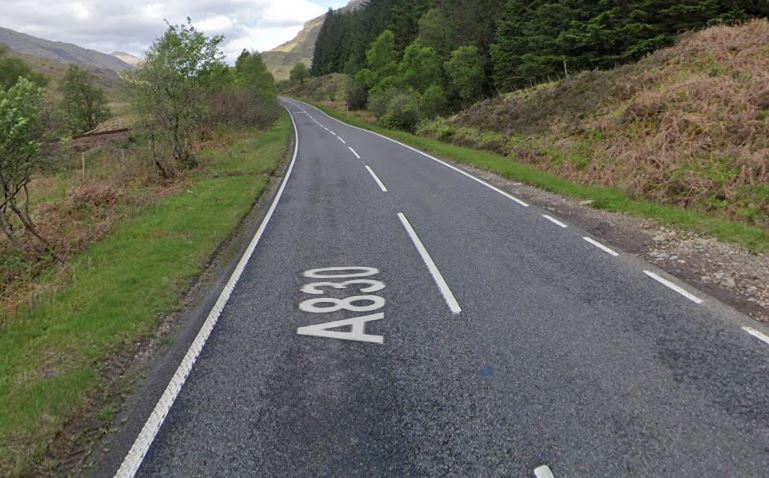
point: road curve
(398, 317)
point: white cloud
(216, 25)
(287, 12)
(106, 25)
(81, 12)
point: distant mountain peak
(282, 58)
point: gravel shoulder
(727, 272)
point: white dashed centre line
(543, 472)
(340, 139)
(332, 132)
(354, 152)
(437, 276)
(755, 333)
(605, 249)
(378, 182)
(444, 163)
(555, 221)
(673, 286)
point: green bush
(358, 97)
(379, 100)
(433, 102)
(402, 112)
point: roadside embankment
(53, 357)
(687, 126)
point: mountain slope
(685, 126)
(54, 70)
(282, 58)
(58, 51)
(127, 58)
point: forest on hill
(416, 59)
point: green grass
(753, 238)
(49, 360)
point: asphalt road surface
(398, 317)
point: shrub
(239, 107)
(433, 102)
(358, 97)
(402, 112)
(379, 99)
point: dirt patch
(727, 272)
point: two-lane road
(398, 317)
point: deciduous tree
(382, 57)
(299, 73)
(11, 69)
(465, 69)
(420, 68)
(20, 143)
(83, 103)
(169, 87)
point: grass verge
(753, 238)
(50, 360)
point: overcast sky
(131, 25)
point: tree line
(414, 59)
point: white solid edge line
(450, 166)
(673, 286)
(543, 472)
(555, 221)
(437, 276)
(601, 246)
(755, 333)
(354, 152)
(378, 182)
(340, 139)
(141, 445)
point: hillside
(687, 125)
(127, 58)
(60, 52)
(282, 58)
(106, 79)
(318, 88)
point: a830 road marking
(343, 278)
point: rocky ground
(728, 272)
